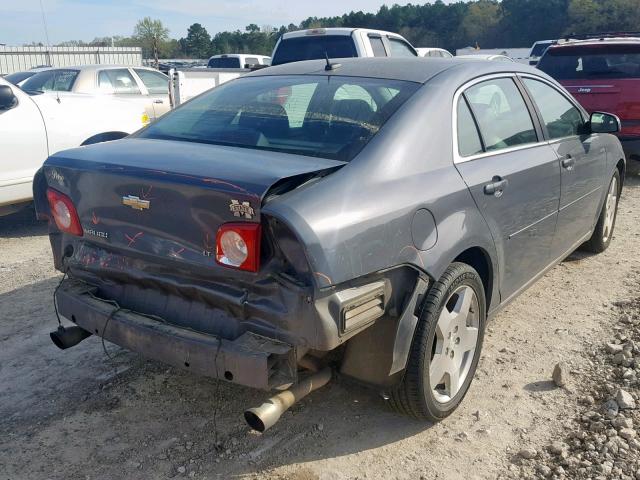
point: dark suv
(603, 73)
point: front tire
(446, 346)
(602, 234)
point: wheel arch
(622, 170)
(479, 259)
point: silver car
(145, 86)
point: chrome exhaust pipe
(266, 415)
(68, 337)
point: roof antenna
(330, 66)
(46, 35)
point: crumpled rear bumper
(251, 360)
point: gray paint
(367, 220)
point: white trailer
(191, 82)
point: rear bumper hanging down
(251, 360)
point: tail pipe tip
(267, 415)
(67, 337)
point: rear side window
(559, 115)
(117, 80)
(468, 137)
(51, 80)
(400, 48)
(314, 47)
(224, 62)
(155, 82)
(592, 62)
(501, 113)
(377, 46)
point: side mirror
(604, 123)
(7, 99)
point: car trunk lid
(166, 199)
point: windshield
(51, 80)
(592, 62)
(224, 62)
(330, 117)
(18, 77)
(314, 47)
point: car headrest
(356, 110)
(269, 118)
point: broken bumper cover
(251, 360)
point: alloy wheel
(454, 345)
(610, 209)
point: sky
(21, 20)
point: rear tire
(602, 234)
(446, 346)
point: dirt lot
(79, 414)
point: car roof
(94, 67)
(415, 69)
(485, 56)
(334, 31)
(597, 41)
(237, 55)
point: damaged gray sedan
(364, 217)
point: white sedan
(32, 127)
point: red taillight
(238, 246)
(64, 213)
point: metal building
(16, 59)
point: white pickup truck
(32, 127)
(294, 47)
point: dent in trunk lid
(167, 199)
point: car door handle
(158, 101)
(496, 186)
(568, 162)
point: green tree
(198, 41)
(480, 22)
(151, 34)
(594, 16)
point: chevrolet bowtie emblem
(135, 202)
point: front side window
(502, 114)
(377, 46)
(117, 80)
(59, 80)
(156, 82)
(400, 48)
(468, 137)
(559, 115)
(322, 116)
(251, 61)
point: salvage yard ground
(84, 414)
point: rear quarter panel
(359, 220)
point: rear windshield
(224, 62)
(314, 47)
(331, 117)
(596, 61)
(51, 80)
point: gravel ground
(84, 414)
